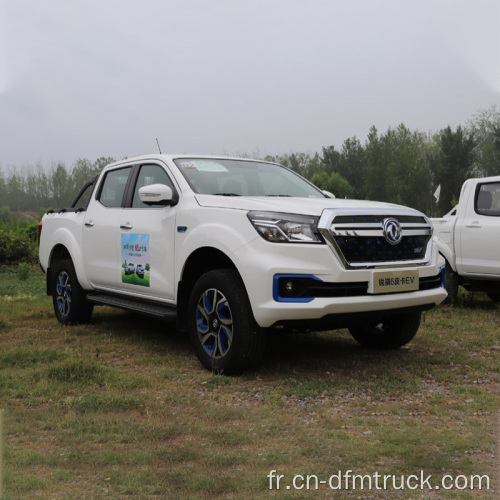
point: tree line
(404, 166)
(31, 188)
(399, 166)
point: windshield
(244, 178)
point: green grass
(121, 407)
(133, 279)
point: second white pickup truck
(234, 248)
(469, 239)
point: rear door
(101, 229)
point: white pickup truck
(236, 248)
(469, 239)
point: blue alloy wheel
(63, 288)
(221, 325)
(68, 297)
(214, 323)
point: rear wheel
(390, 333)
(68, 297)
(222, 329)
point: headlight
(286, 228)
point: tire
(451, 283)
(391, 333)
(68, 297)
(222, 329)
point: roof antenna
(159, 149)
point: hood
(304, 206)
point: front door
(147, 241)
(479, 236)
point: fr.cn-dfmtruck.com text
(348, 480)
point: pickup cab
(235, 249)
(468, 237)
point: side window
(150, 174)
(488, 199)
(113, 187)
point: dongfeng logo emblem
(392, 231)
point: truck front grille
(359, 249)
(391, 237)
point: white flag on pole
(437, 193)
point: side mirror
(158, 195)
(328, 194)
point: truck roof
(171, 157)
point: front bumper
(261, 262)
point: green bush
(334, 183)
(31, 232)
(16, 245)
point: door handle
(125, 225)
(474, 224)
(89, 223)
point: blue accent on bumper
(442, 272)
(276, 292)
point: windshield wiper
(280, 195)
(227, 194)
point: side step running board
(159, 310)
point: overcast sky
(84, 79)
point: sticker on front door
(135, 259)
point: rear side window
(113, 187)
(488, 199)
(83, 199)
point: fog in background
(106, 78)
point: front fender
(227, 232)
(444, 250)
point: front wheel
(391, 333)
(222, 329)
(68, 297)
